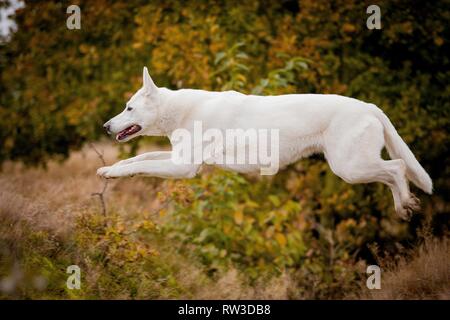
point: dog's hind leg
(354, 155)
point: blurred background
(303, 233)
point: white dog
(349, 132)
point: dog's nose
(107, 127)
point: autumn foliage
(58, 87)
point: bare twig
(101, 194)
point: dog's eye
(129, 108)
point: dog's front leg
(153, 168)
(155, 155)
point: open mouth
(128, 131)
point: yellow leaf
(227, 229)
(238, 217)
(348, 27)
(439, 41)
(281, 239)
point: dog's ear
(149, 85)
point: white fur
(350, 133)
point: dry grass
(423, 273)
(232, 285)
(52, 199)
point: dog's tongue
(128, 131)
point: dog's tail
(398, 149)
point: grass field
(50, 219)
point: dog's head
(140, 113)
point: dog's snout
(107, 127)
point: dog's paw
(405, 214)
(112, 172)
(413, 203)
(409, 207)
(103, 172)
